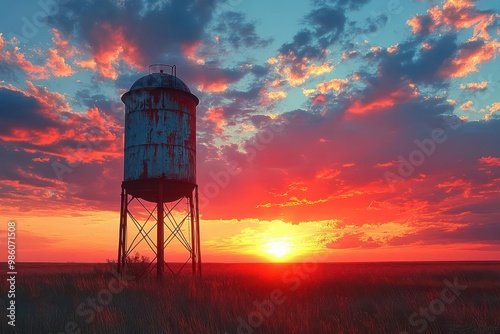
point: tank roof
(160, 80)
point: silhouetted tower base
(161, 218)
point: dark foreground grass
(262, 298)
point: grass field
(261, 298)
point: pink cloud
(55, 60)
(490, 161)
(18, 58)
(217, 86)
(51, 101)
(384, 101)
(190, 51)
(111, 47)
(62, 45)
(216, 116)
(57, 64)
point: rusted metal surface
(160, 130)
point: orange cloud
(426, 46)
(455, 14)
(475, 86)
(467, 105)
(306, 71)
(462, 14)
(269, 97)
(272, 61)
(46, 137)
(457, 183)
(348, 54)
(393, 48)
(14, 56)
(383, 102)
(276, 95)
(62, 45)
(480, 30)
(494, 107)
(307, 91)
(84, 127)
(296, 72)
(216, 116)
(469, 58)
(415, 23)
(89, 64)
(112, 48)
(491, 110)
(327, 174)
(52, 101)
(191, 51)
(295, 201)
(490, 161)
(335, 84)
(387, 164)
(320, 99)
(218, 86)
(57, 64)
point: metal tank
(160, 136)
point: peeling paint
(160, 135)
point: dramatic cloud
(22, 111)
(110, 46)
(455, 14)
(57, 65)
(237, 32)
(306, 55)
(15, 57)
(471, 54)
(43, 144)
(130, 34)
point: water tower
(160, 169)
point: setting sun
(278, 248)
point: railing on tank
(160, 68)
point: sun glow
(278, 249)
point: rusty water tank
(160, 136)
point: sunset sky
(361, 130)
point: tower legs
(122, 237)
(171, 223)
(160, 249)
(198, 245)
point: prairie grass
(324, 298)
